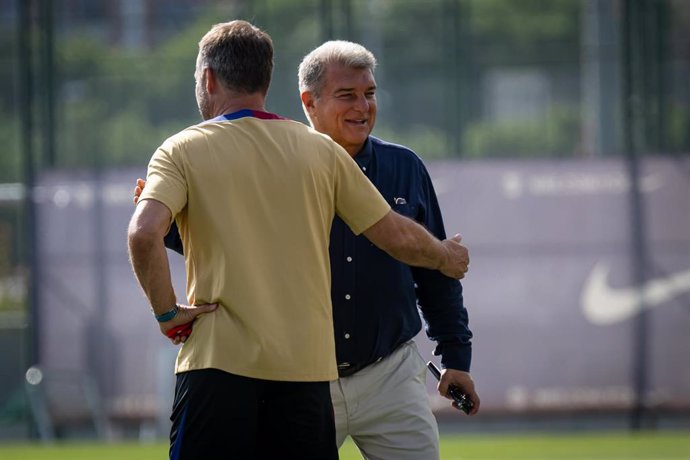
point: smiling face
(346, 107)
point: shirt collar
(363, 157)
(246, 113)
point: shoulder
(304, 132)
(319, 142)
(184, 138)
(323, 138)
(389, 151)
(389, 148)
(281, 128)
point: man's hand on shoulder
(461, 380)
(141, 183)
(457, 260)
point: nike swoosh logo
(603, 305)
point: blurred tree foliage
(115, 105)
(527, 30)
(551, 136)
(9, 119)
(117, 110)
(438, 78)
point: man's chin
(358, 134)
(359, 140)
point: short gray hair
(312, 69)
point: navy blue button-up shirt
(375, 297)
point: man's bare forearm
(415, 246)
(410, 243)
(150, 261)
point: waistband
(348, 369)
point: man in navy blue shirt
(380, 399)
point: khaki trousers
(385, 409)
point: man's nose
(362, 103)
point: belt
(348, 369)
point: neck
(353, 151)
(238, 101)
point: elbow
(141, 239)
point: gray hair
(312, 69)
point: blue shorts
(218, 415)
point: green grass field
(649, 446)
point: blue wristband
(168, 315)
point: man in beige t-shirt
(253, 196)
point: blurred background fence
(557, 133)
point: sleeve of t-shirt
(165, 179)
(357, 201)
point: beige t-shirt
(254, 200)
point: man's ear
(210, 80)
(308, 101)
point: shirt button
(348, 296)
(347, 336)
(349, 259)
(364, 168)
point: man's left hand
(186, 315)
(461, 380)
